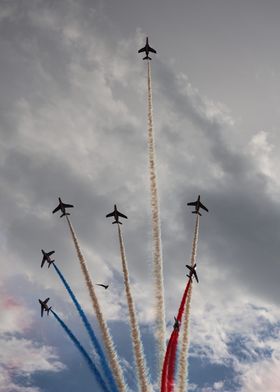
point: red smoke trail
(169, 365)
(172, 363)
(183, 360)
(182, 306)
(165, 364)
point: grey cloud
(71, 127)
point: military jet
(62, 206)
(197, 205)
(103, 285)
(192, 272)
(147, 49)
(176, 324)
(44, 306)
(116, 214)
(47, 258)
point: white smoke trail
(157, 253)
(135, 333)
(108, 342)
(183, 360)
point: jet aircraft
(103, 285)
(176, 324)
(197, 205)
(62, 206)
(116, 214)
(44, 306)
(147, 49)
(192, 272)
(47, 258)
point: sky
(73, 124)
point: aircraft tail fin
(196, 212)
(64, 214)
(116, 222)
(147, 58)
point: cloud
(20, 358)
(14, 316)
(261, 376)
(73, 124)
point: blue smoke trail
(83, 352)
(90, 331)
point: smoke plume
(135, 333)
(83, 352)
(183, 361)
(90, 332)
(107, 339)
(157, 249)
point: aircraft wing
(46, 300)
(56, 209)
(111, 214)
(152, 50)
(122, 215)
(68, 205)
(141, 50)
(193, 203)
(51, 253)
(43, 262)
(202, 206)
(195, 275)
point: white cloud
(218, 385)
(20, 356)
(14, 317)
(261, 376)
(7, 384)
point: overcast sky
(73, 123)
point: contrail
(157, 250)
(90, 331)
(135, 333)
(108, 342)
(183, 361)
(83, 352)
